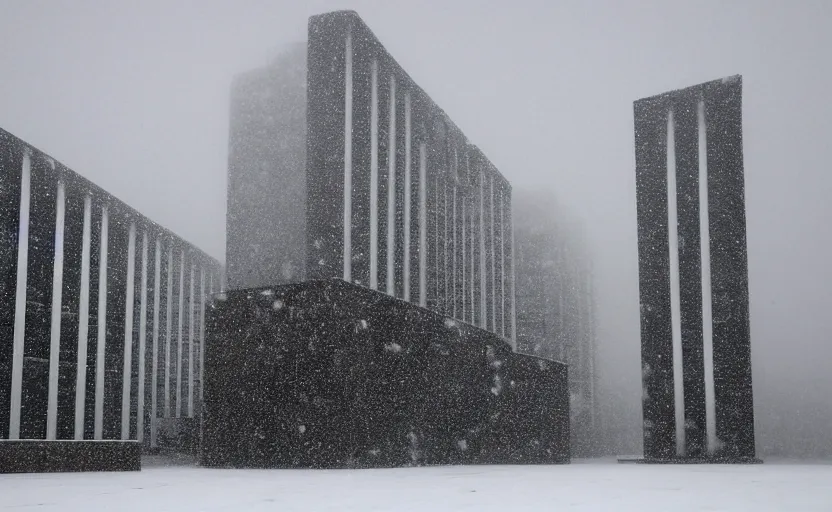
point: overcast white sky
(134, 96)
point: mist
(134, 96)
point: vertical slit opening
(191, 340)
(407, 191)
(128, 333)
(374, 176)
(168, 329)
(83, 321)
(18, 335)
(98, 427)
(179, 330)
(675, 302)
(140, 410)
(347, 163)
(423, 226)
(391, 191)
(154, 369)
(707, 314)
(55, 331)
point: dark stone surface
(729, 269)
(46, 174)
(11, 158)
(284, 208)
(654, 279)
(329, 374)
(690, 460)
(36, 456)
(729, 272)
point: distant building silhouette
(556, 305)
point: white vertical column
(453, 254)
(374, 176)
(472, 264)
(491, 218)
(126, 378)
(675, 300)
(483, 301)
(391, 193)
(18, 336)
(55, 331)
(142, 343)
(179, 326)
(201, 332)
(436, 241)
(513, 283)
(473, 261)
(407, 189)
(168, 329)
(347, 162)
(191, 341)
(457, 254)
(423, 226)
(83, 321)
(502, 264)
(564, 278)
(445, 242)
(707, 305)
(102, 326)
(464, 263)
(154, 368)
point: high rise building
(555, 303)
(341, 166)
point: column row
(426, 216)
(95, 297)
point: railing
(101, 310)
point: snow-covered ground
(592, 486)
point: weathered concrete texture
(330, 374)
(37, 456)
(721, 102)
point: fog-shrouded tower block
(266, 222)
(556, 303)
(693, 275)
(340, 166)
(370, 261)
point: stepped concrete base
(689, 460)
(39, 456)
(327, 374)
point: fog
(134, 96)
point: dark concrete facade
(35, 456)
(88, 283)
(426, 216)
(330, 374)
(709, 114)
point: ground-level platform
(688, 460)
(39, 456)
(591, 486)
